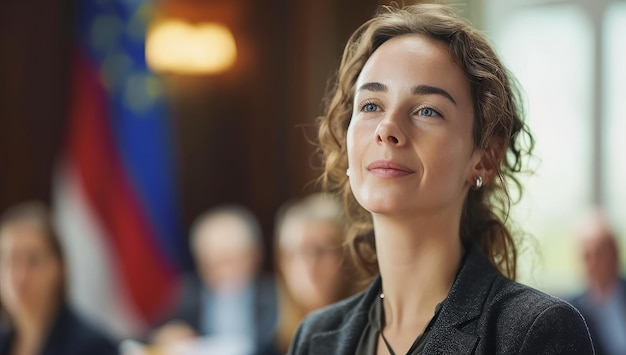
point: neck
(418, 261)
(31, 326)
(29, 337)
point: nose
(389, 132)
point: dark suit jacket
(69, 335)
(582, 303)
(484, 313)
(191, 308)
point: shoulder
(189, 287)
(78, 336)
(266, 309)
(334, 316)
(6, 337)
(580, 302)
(266, 286)
(493, 314)
(519, 298)
(535, 321)
(343, 319)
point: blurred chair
(310, 261)
(35, 315)
(603, 304)
(229, 301)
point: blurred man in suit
(228, 300)
(603, 304)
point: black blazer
(69, 335)
(484, 313)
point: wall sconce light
(178, 47)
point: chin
(385, 205)
(383, 199)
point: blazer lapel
(340, 342)
(345, 340)
(452, 332)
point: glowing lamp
(178, 47)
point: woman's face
(410, 146)
(30, 273)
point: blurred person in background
(229, 303)
(36, 318)
(603, 304)
(312, 271)
(422, 135)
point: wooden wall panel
(241, 136)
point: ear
(486, 162)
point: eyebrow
(431, 90)
(376, 87)
(416, 90)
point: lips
(388, 169)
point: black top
(484, 313)
(376, 318)
(69, 335)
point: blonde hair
(319, 207)
(498, 128)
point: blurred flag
(114, 193)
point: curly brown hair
(498, 128)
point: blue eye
(369, 107)
(428, 112)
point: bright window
(550, 51)
(615, 116)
